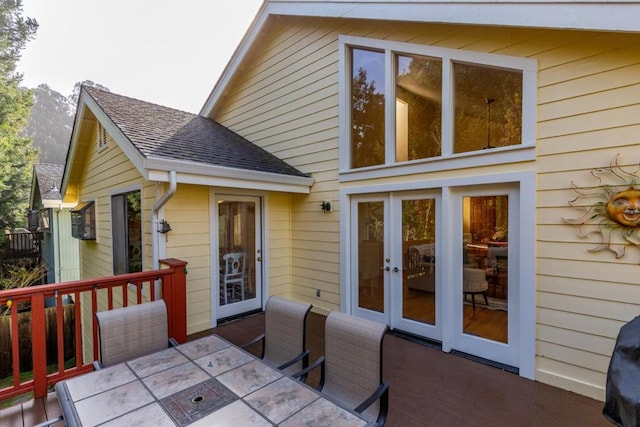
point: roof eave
(210, 175)
(85, 102)
(585, 15)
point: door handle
(259, 259)
(396, 269)
(385, 268)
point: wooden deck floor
(427, 388)
(430, 388)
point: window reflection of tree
(419, 85)
(475, 84)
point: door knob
(385, 268)
(396, 269)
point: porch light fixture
(163, 227)
(325, 206)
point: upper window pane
(418, 107)
(488, 107)
(367, 108)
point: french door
(395, 254)
(439, 264)
(237, 286)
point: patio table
(206, 382)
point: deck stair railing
(88, 296)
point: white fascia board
(73, 143)
(237, 57)
(57, 204)
(209, 175)
(595, 15)
(584, 15)
(123, 142)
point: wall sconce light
(164, 227)
(326, 206)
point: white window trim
(448, 160)
(123, 190)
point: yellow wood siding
(188, 213)
(103, 172)
(285, 98)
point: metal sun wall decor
(615, 215)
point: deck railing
(88, 296)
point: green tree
(50, 124)
(16, 154)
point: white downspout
(173, 184)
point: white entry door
(237, 288)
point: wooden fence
(25, 341)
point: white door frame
(505, 353)
(218, 311)
(525, 252)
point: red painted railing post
(174, 293)
(39, 346)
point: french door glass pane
(367, 108)
(488, 107)
(237, 246)
(418, 107)
(370, 256)
(419, 261)
(486, 267)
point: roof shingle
(49, 176)
(166, 133)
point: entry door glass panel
(237, 249)
(370, 255)
(486, 267)
(419, 261)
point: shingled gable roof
(164, 133)
(47, 177)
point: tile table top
(207, 382)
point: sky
(167, 52)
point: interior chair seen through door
(351, 368)
(130, 332)
(474, 281)
(284, 338)
(233, 275)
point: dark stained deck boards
(32, 412)
(426, 387)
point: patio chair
(474, 281)
(130, 332)
(233, 275)
(283, 341)
(351, 368)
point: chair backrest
(474, 280)
(134, 331)
(284, 331)
(353, 360)
(234, 266)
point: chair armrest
(97, 365)
(304, 356)
(173, 342)
(50, 422)
(382, 393)
(253, 341)
(303, 373)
